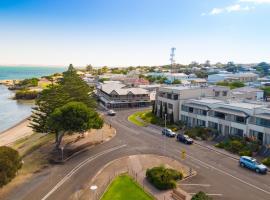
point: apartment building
(244, 119)
(169, 98)
(116, 95)
(242, 77)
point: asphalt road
(218, 174)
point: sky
(133, 32)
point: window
(170, 106)
(175, 96)
(224, 93)
(190, 109)
(217, 94)
(204, 112)
(239, 119)
(169, 96)
(220, 115)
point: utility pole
(165, 133)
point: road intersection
(218, 174)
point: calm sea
(11, 111)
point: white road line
(228, 174)
(191, 184)
(208, 194)
(75, 169)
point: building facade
(116, 95)
(169, 98)
(229, 117)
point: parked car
(251, 163)
(111, 112)
(168, 132)
(184, 138)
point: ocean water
(7, 73)
(12, 111)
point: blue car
(251, 163)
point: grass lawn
(134, 118)
(125, 188)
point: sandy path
(16, 132)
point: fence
(135, 175)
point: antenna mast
(172, 58)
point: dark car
(184, 138)
(168, 132)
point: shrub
(245, 153)
(163, 178)
(201, 132)
(236, 146)
(10, 163)
(266, 161)
(201, 196)
(26, 94)
(220, 145)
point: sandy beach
(16, 132)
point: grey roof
(263, 115)
(119, 89)
(231, 111)
(195, 105)
(246, 89)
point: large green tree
(10, 163)
(73, 117)
(70, 88)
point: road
(218, 174)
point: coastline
(16, 132)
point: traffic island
(135, 166)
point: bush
(266, 161)
(26, 94)
(201, 196)
(163, 178)
(245, 153)
(32, 82)
(236, 146)
(201, 132)
(10, 163)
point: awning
(263, 115)
(195, 105)
(230, 111)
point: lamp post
(94, 189)
(62, 153)
(165, 133)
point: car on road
(168, 132)
(251, 163)
(184, 138)
(111, 112)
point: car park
(111, 112)
(168, 132)
(184, 138)
(253, 164)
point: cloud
(216, 11)
(255, 1)
(228, 9)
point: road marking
(228, 174)
(80, 165)
(208, 194)
(192, 184)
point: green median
(123, 188)
(135, 118)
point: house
(249, 93)
(117, 95)
(242, 77)
(239, 118)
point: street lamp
(165, 133)
(94, 189)
(62, 153)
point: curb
(212, 149)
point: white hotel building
(228, 117)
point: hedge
(163, 178)
(10, 163)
